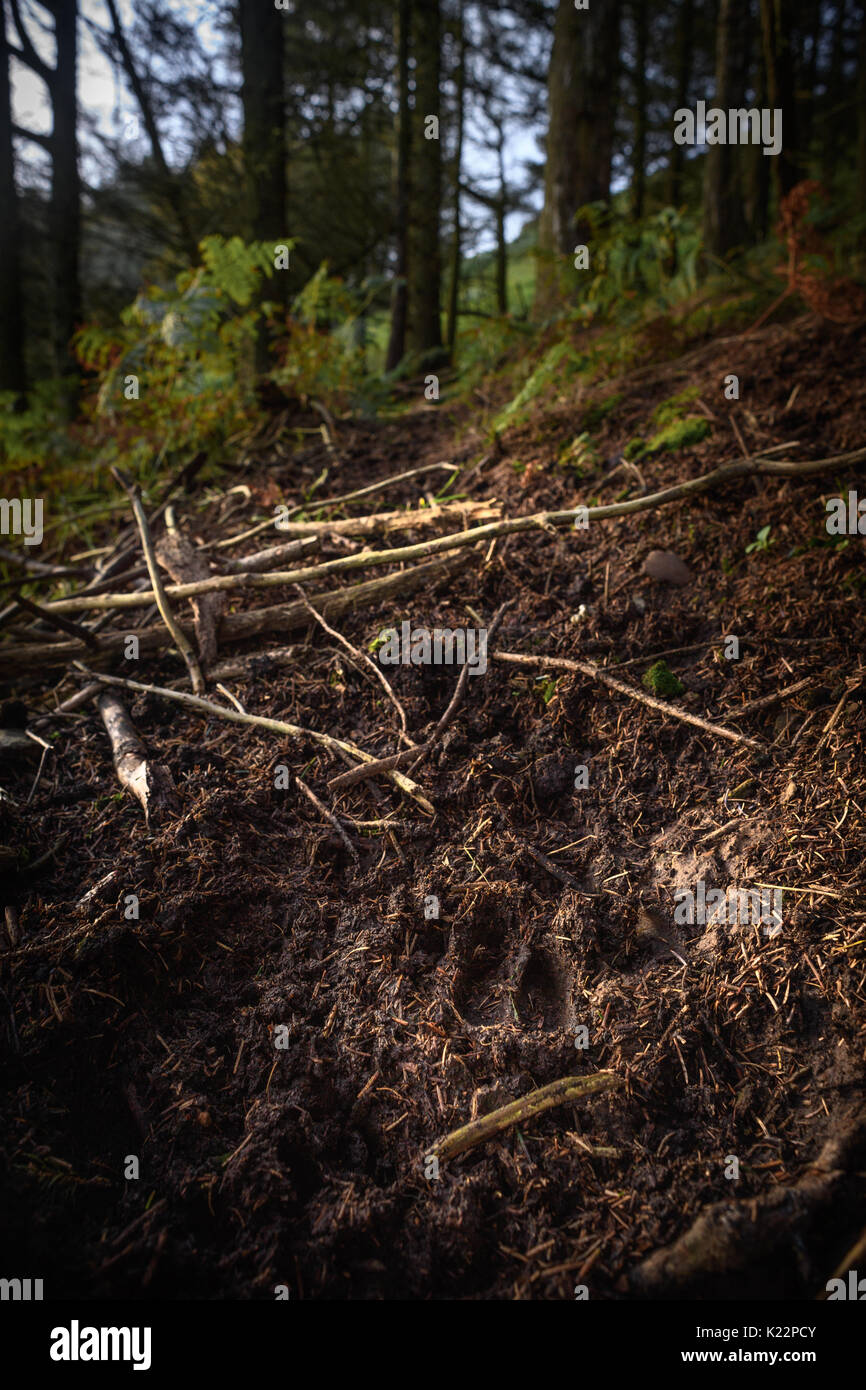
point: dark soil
(303, 1164)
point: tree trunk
(454, 287)
(397, 338)
(66, 195)
(173, 190)
(781, 94)
(264, 140)
(12, 370)
(424, 331)
(684, 60)
(724, 223)
(501, 246)
(861, 115)
(638, 177)
(582, 101)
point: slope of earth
(285, 1028)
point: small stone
(666, 566)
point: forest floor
(304, 1165)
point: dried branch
(568, 1088)
(598, 673)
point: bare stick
(237, 627)
(55, 620)
(362, 658)
(417, 755)
(598, 673)
(179, 637)
(539, 521)
(329, 816)
(382, 522)
(568, 1088)
(765, 700)
(277, 726)
(149, 782)
(381, 486)
(263, 560)
(185, 564)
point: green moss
(675, 407)
(558, 364)
(598, 410)
(660, 680)
(679, 434)
(634, 448)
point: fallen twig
(329, 816)
(149, 782)
(363, 660)
(765, 700)
(539, 521)
(588, 668)
(236, 627)
(185, 565)
(277, 726)
(568, 1088)
(417, 754)
(158, 595)
(381, 486)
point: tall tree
(779, 57)
(264, 139)
(424, 329)
(456, 247)
(65, 203)
(640, 10)
(397, 338)
(582, 87)
(861, 113)
(724, 223)
(683, 67)
(13, 375)
(173, 189)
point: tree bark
(13, 375)
(501, 245)
(638, 178)
(454, 286)
(776, 26)
(582, 102)
(724, 222)
(399, 296)
(66, 194)
(264, 139)
(684, 61)
(424, 330)
(172, 187)
(861, 114)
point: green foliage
(660, 680)
(642, 266)
(321, 352)
(761, 542)
(676, 428)
(558, 363)
(580, 454)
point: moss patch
(660, 680)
